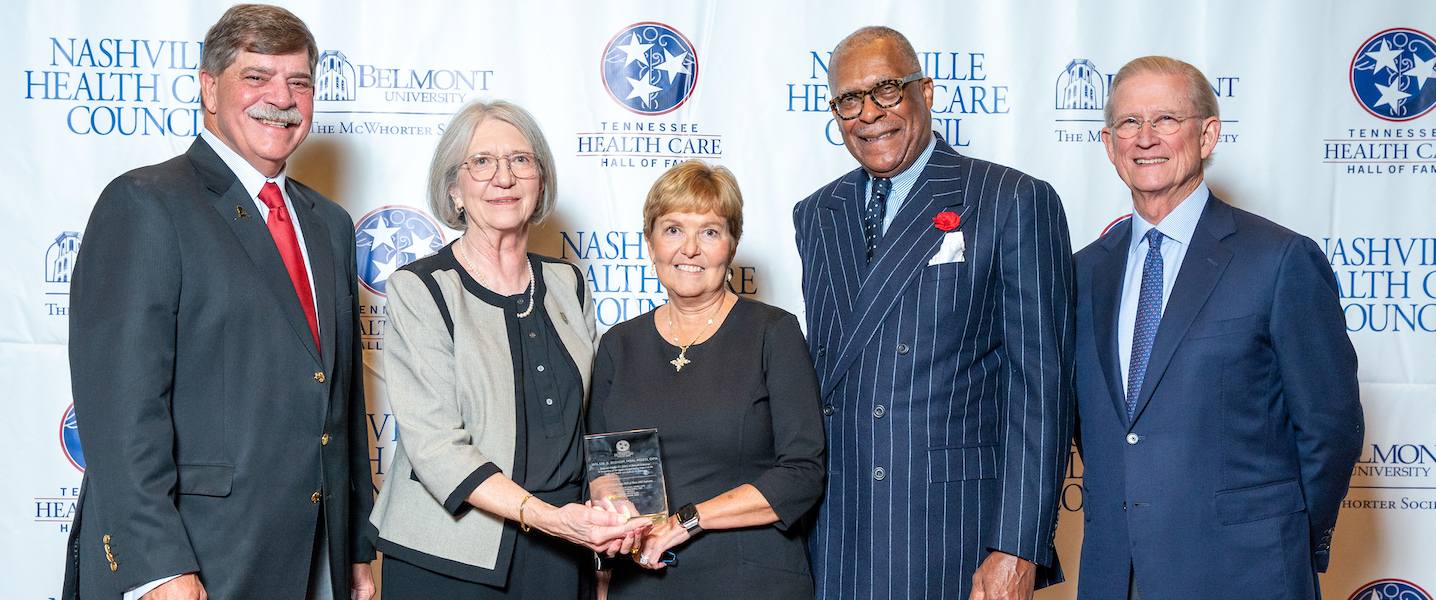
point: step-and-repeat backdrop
(1327, 128)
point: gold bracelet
(521, 512)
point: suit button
(828, 410)
(822, 350)
(879, 411)
(324, 440)
(902, 348)
(880, 474)
(319, 376)
(1132, 438)
(315, 498)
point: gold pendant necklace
(464, 254)
(682, 360)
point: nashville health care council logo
(649, 68)
(390, 237)
(1390, 589)
(1390, 72)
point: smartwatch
(688, 518)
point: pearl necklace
(678, 363)
(464, 254)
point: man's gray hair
(449, 155)
(257, 28)
(1199, 90)
(868, 35)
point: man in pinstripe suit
(939, 295)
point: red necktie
(283, 231)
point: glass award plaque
(626, 468)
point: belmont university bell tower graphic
(1080, 86)
(335, 80)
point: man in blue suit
(939, 293)
(1216, 386)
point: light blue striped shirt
(1177, 229)
(902, 184)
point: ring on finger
(643, 560)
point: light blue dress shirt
(1177, 230)
(902, 184)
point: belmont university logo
(335, 77)
(649, 68)
(1390, 589)
(390, 237)
(1392, 74)
(60, 257)
(1081, 87)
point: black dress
(745, 410)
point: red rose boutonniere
(946, 221)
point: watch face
(688, 516)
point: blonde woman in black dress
(729, 385)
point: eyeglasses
(1129, 127)
(886, 94)
(483, 167)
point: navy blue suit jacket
(1227, 482)
(947, 388)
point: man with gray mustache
(215, 355)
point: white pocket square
(951, 250)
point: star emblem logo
(1389, 73)
(649, 68)
(388, 238)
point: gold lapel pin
(240, 214)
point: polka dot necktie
(1149, 315)
(877, 210)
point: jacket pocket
(205, 480)
(941, 271)
(1260, 502)
(1206, 329)
(961, 463)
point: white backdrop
(1325, 131)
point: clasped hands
(645, 545)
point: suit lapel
(1206, 260)
(905, 249)
(321, 265)
(842, 231)
(1107, 276)
(253, 235)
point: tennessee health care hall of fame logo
(1390, 589)
(1392, 74)
(390, 237)
(649, 68)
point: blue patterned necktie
(1149, 315)
(877, 210)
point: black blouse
(549, 451)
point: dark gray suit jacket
(947, 387)
(217, 435)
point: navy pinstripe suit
(947, 388)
